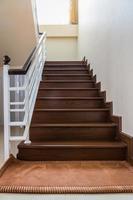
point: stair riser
(56, 103)
(64, 154)
(62, 68)
(68, 93)
(72, 133)
(65, 72)
(67, 85)
(70, 117)
(63, 62)
(67, 77)
(65, 67)
(70, 65)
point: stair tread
(75, 144)
(76, 125)
(66, 69)
(66, 75)
(85, 110)
(65, 64)
(67, 81)
(70, 98)
(41, 88)
(63, 61)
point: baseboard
(129, 140)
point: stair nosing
(68, 81)
(70, 98)
(66, 64)
(72, 110)
(76, 125)
(66, 75)
(41, 88)
(94, 145)
(66, 69)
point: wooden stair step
(65, 92)
(90, 125)
(70, 98)
(71, 132)
(68, 65)
(70, 75)
(74, 110)
(77, 150)
(69, 102)
(67, 77)
(67, 83)
(64, 62)
(71, 115)
(64, 66)
(66, 71)
(71, 120)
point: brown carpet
(66, 177)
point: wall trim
(60, 30)
(129, 141)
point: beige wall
(62, 41)
(18, 34)
(17, 30)
(61, 48)
(106, 38)
(1, 97)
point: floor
(65, 197)
(56, 197)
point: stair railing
(20, 88)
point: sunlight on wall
(53, 12)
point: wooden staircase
(71, 119)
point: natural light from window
(53, 12)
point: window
(51, 12)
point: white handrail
(20, 92)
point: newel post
(6, 106)
(6, 60)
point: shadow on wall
(1, 97)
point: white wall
(106, 38)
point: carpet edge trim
(64, 190)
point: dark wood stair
(67, 77)
(69, 102)
(70, 132)
(71, 119)
(65, 150)
(67, 83)
(66, 92)
(66, 71)
(71, 115)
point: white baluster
(6, 101)
(27, 111)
